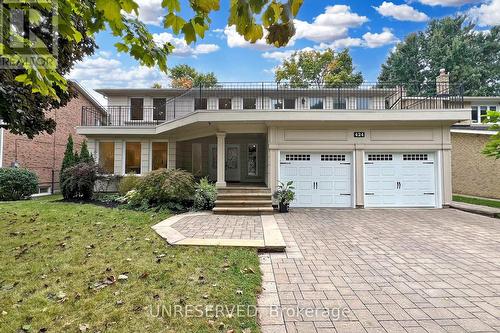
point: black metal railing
(267, 96)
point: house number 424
(359, 134)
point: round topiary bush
(17, 184)
(78, 181)
(173, 189)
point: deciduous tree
(471, 57)
(318, 67)
(184, 76)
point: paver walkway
(221, 226)
(383, 271)
(207, 229)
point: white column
(221, 160)
(172, 154)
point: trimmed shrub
(205, 196)
(79, 181)
(17, 184)
(85, 156)
(172, 189)
(128, 183)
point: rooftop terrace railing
(267, 96)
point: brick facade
(45, 152)
(473, 173)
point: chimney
(443, 83)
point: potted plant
(284, 194)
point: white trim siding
(473, 131)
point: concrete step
(243, 210)
(243, 203)
(244, 196)
(225, 190)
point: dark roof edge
(87, 95)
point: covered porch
(228, 159)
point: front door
(232, 163)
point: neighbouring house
(473, 173)
(342, 146)
(44, 153)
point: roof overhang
(446, 117)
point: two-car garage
(390, 179)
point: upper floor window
(339, 104)
(225, 104)
(479, 112)
(249, 103)
(277, 103)
(159, 108)
(283, 103)
(200, 103)
(362, 103)
(136, 108)
(316, 103)
(289, 103)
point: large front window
(136, 108)
(133, 157)
(107, 157)
(159, 155)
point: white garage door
(320, 179)
(400, 180)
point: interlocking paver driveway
(389, 270)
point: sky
(370, 29)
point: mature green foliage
(471, 57)
(128, 183)
(22, 108)
(205, 196)
(85, 156)
(173, 189)
(17, 184)
(78, 181)
(185, 76)
(492, 148)
(136, 40)
(318, 67)
(69, 158)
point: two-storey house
(374, 145)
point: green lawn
(55, 257)
(477, 201)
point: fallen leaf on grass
(248, 270)
(144, 275)
(122, 277)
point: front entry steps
(243, 200)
